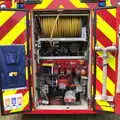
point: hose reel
(60, 26)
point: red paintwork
(117, 97)
(67, 5)
(117, 104)
(62, 112)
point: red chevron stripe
(11, 23)
(23, 91)
(114, 2)
(21, 39)
(67, 4)
(29, 6)
(111, 20)
(112, 74)
(97, 107)
(27, 107)
(54, 4)
(98, 84)
(92, 5)
(99, 88)
(102, 38)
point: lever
(105, 56)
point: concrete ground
(105, 116)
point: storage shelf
(62, 39)
(61, 57)
(52, 15)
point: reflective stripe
(43, 5)
(106, 29)
(78, 4)
(5, 15)
(12, 35)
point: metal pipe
(104, 74)
(105, 56)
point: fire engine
(60, 56)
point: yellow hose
(61, 26)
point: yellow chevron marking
(110, 83)
(108, 3)
(43, 5)
(61, 6)
(92, 90)
(25, 47)
(104, 104)
(105, 28)
(92, 68)
(14, 4)
(78, 4)
(9, 92)
(26, 73)
(99, 44)
(112, 12)
(48, 64)
(31, 70)
(4, 16)
(14, 33)
(111, 59)
(25, 103)
(2, 2)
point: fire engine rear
(61, 59)
(59, 56)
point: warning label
(12, 102)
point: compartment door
(14, 67)
(106, 58)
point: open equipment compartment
(61, 59)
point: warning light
(20, 5)
(102, 3)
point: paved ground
(105, 116)
(72, 117)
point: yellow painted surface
(12, 35)
(5, 15)
(61, 6)
(105, 106)
(112, 12)
(78, 4)
(104, 27)
(25, 102)
(111, 59)
(43, 5)
(110, 83)
(108, 3)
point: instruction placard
(12, 102)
